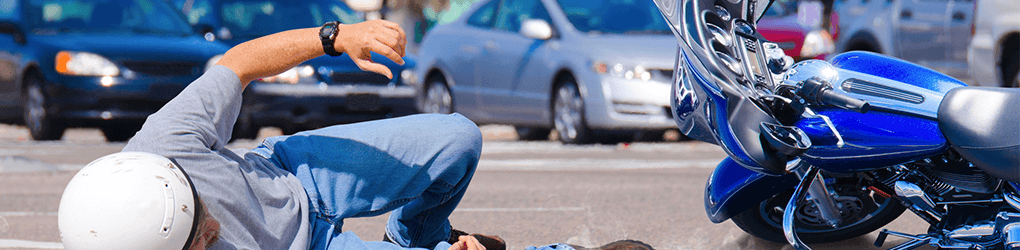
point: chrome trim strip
(323, 89)
(858, 86)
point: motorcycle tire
(765, 221)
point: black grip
(834, 98)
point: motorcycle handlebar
(818, 91)
(828, 96)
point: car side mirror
(7, 27)
(536, 29)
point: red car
(800, 36)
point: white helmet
(128, 200)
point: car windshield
(138, 16)
(251, 19)
(615, 16)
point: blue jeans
(416, 166)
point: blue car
(107, 64)
(320, 92)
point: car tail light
(974, 18)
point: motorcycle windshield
(709, 101)
(670, 10)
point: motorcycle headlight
(816, 43)
(623, 71)
(84, 64)
(299, 74)
(212, 61)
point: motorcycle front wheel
(862, 212)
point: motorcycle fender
(732, 189)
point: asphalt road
(529, 193)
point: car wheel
(437, 98)
(568, 113)
(120, 132)
(1010, 65)
(532, 133)
(40, 125)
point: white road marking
(11, 243)
(523, 209)
(16, 214)
(591, 164)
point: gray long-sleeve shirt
(258, 205)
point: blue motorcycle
(824, 151)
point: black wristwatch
(328, 36)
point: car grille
(131, 104)
(360, 78)
(163, 68)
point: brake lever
(808, 113)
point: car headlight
(84, 64)
(408, 77)
(299, 74)
(624, 71)
(212, 61)
(816, 43)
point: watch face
(327, 31)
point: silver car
(583, 68)
(932, 33)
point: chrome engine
(970, 208)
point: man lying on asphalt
(175, 186)
(291, 192)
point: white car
(994, 52)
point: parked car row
(585, 69)
(106, 64)
(111, 63)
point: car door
(10, 57)
(465, 44)
(959, 29)
(922, 37)
(507, 52)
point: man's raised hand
(383, 37)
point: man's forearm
(272, 54)
(276, 53)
